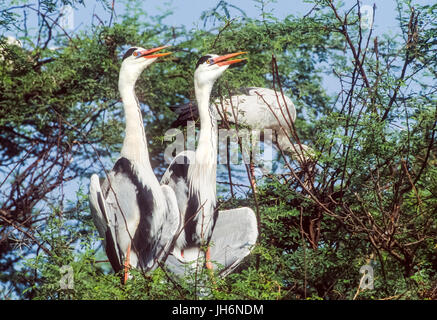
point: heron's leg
(126, 264)
(252, 174)
(208, 265)
(208, 258)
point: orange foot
(208, 259)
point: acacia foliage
(368, 196)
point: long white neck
(135, 143)
(202, 175)
(208, 128)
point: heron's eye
(210, 61)
(136, 53)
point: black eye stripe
(129, 53)
(202, 60)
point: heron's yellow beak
(223, 60)
(148, 53)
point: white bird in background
(13, 41)
(192, 175)
(257, 108)
(8, 41)
(136, 216)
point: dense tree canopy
(367, 197)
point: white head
(135, 60)
(211, 66)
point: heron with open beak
(192, 176)
(135, 215)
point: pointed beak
(148, 53)
(223, 60)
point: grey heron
(192, 175)
(135, 215)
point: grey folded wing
(233, 238)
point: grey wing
(99, 219)
(176, 177)
(171, 223)
(176, 266)
(252, 108)
(134, 214)
(102, 220)
(126, 214)
(233, 238)
(244, 91)
(146, 216)
(258, 108)
(272, 97)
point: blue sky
(187, 12)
